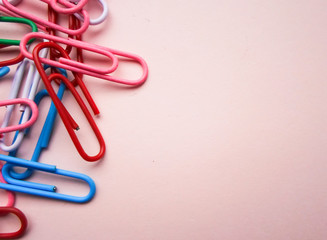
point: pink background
(226, 140)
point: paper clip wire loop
(9, 208)
(22, 219)
(43, 23)
(27, 102)
(13, 61)
(102, 16)
(31, 83)
(44, 138)
(61, 108)
(17, 20)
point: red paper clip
(22, 218)
(13, 61)
(74, 23)
(9, 208)
(61, 108)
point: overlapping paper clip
(50, 62)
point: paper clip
(68, 63)
(80, 68)
(102, 16)
(10, 42)
(72, 8)
(4, 71)
(25, 101)
(43, 24)
(62, 109)
(22, 219)
(45, 135)
(77, 81)
(40, 189)
(17, 20)
(9, 208)
(13, 61)
(31, 84)
(43, 190)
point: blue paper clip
(4, 71)
(45, 133)
(40, 189)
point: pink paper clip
(70, 10)
(6, 11)
(82, 68)
(43, 24)
(67, 63)
(28, 123)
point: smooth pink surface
(225, 141)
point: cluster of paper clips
(43, 65)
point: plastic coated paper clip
(43, 24)
(62, 109)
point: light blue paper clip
(4, 71)
(45, 135)
(40, 189)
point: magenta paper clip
(41, 22)
(69, 10)
(68, 63)
(81, 68)
(24, 101)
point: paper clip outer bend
(61, 108)
(45, 135)
(22, 219)
(43, 23)
(25, 101)
(35, 189)
(13, 61)
(68, 63)
(102, 16)
(69, 10)
(17, 20)
(9, 208)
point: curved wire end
(22, 218)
